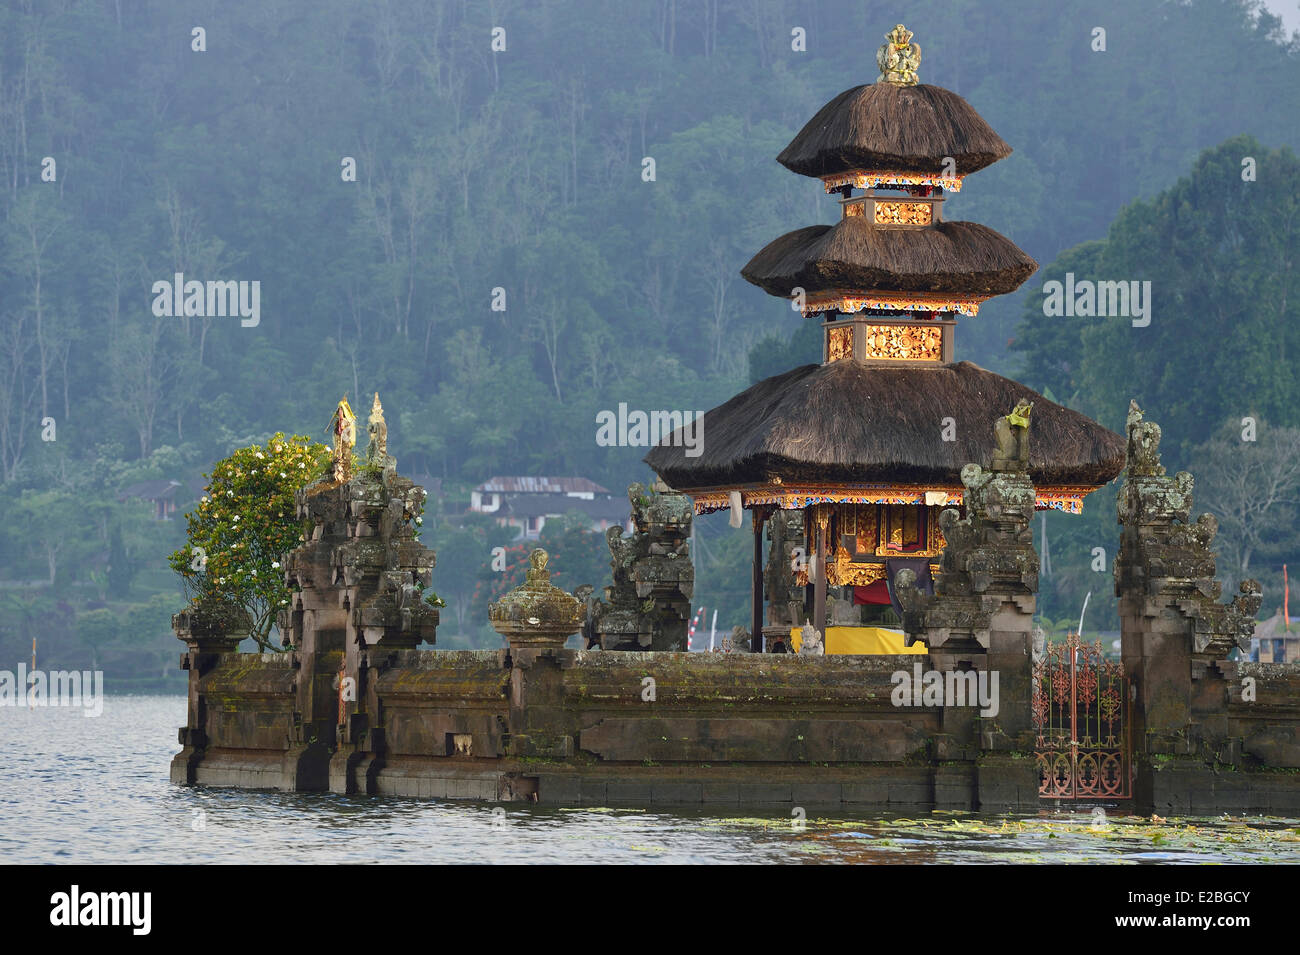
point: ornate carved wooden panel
(903, 213)
(904, 342)
(839, 343)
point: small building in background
(527, 503)
(165, 495)
(1274, 643)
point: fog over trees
(387, 177)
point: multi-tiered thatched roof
(848, 422)
(888, 418)
(899, 128)
(852, 254)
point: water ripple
(96, 790)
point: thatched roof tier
(848, 422)
(856, 255)
(885, 126)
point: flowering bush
(244, 525)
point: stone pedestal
(210, 634)
(536, 615)
(536, 618)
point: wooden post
(756, 615)
(819, 584)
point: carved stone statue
(377, 450)
(811, 643)
(739, 639)
(344, 426)
(1143, 444)
(537, 572)
(899, 58)
(988, 568)
(1012, 435)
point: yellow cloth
(861, 640)
(345, 410)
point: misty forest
(504, 264)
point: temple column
(821, 519)
(756, 615)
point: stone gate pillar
(1176, 636)
(358, 582)
(980, 618)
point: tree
(244, 525)
(1253, 488)
(47, 524)
(1219, 255)
(97, 628)
(121, 569)
(578, 555)
(464, 558)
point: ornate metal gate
(1081, 709)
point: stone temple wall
(355, 707)
(567, 727)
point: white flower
(282, 474)
(205, 500)
(230, 494)
(259, 455)
(275, 565)
(301, 465)
(236, 518)
(419, 520)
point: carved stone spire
(899, 58)
(1165, 572)
(377, 451)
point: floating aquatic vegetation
(1082, 836)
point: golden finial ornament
(899, 58)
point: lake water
(96, 790)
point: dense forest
(507, 216)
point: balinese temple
(850, 462)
